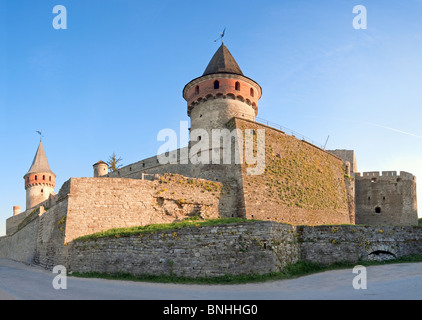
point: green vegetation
(298, 175)
(420, 222)
(296, 270)
(28, 219)
(205, 185)
(152, 228)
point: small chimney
(16, 210)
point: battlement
(384, 174)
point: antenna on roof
(326, 142)
(221, 36)
(40, 133)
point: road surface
(395, 281)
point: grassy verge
(190, 222)
(296, 270)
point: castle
(289, 181)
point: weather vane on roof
(221, 36)
(40, 133)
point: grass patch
(292, 271)
(152, 228)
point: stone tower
(388, 198)
(221, 93)
(39, 180)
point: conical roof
(223, 62)
(40, 163)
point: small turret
(39, 180)
(100, 169)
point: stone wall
(13, 223)
(20, 246)
(301, 185)
(50, 245)
(98, 204)
(330, 244)
(228, 174)
(242, 248)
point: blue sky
(114, 78)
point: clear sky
(114, 78)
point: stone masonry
(242, 248)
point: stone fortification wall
(330, 244)
(301, 185)
(15, 222)
(50, 245)
(21, 245)
(98, 204)
(242, 248)
(228, 174)
(39, 236)
(386, 198)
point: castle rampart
(385, 174)
(301, 184)
(200, 251)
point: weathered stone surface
(386, 198)
(329, 244)
(244, 248)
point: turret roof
(40, 162)
(223, 62)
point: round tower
(100, 169)
(221, 93)
(39, 180)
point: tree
(113, 163)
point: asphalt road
(392, 282)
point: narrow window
(43, 177)
(197, 90)
(237, 85)
(36, 178)
(42, 190)
(49, 178)
(216, 84)
(252, 92)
